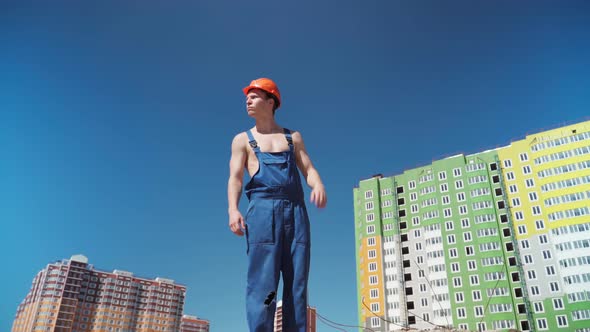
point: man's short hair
(271, 96)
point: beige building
(70, 295)
(193, 324)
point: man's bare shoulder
(240, 140)
(296, 134)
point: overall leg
(296, 257)
(264, 261)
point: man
(276, 223)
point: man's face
(258, 103)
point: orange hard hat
(265, 84)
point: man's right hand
(236, 222)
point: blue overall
(278, 237)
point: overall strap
(253, 142)
(289, 138)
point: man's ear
(272, 101)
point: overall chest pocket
(275, 171)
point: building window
(562, 321)
(373, 280)
(375, 307)
(528, 259)
(459, 184)
(370, 229)
(532, 274)
(460, 197)
(375, 322)
(449, 225)
(453, 252)
(463, 209)
(372, 267)
(558, 304)
(374, 293)
(526, 169)
(465, 223)
(446, 200)
(530, 183)
(459, 297)
(412, 184)
(513, 189)
(372, 253)
(461, 312)
(533, 196)
(507, 163)
(447, 213)
(424, 302)
(442, 175)
(478, 311)
(467, 236)
(543, 239)
(476, 295)
(456, 172)
(451, 239)
(368, 194)
(542, 323)
(369, 206)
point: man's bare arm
(234, 184)
(311, 175)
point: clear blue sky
(116, 120)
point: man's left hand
(318, 197)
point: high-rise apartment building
(311, 318)
(495, 240)
(71, 295)
(193, 324)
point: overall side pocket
(260, 223)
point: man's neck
(267, 126)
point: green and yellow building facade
(496, 240)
